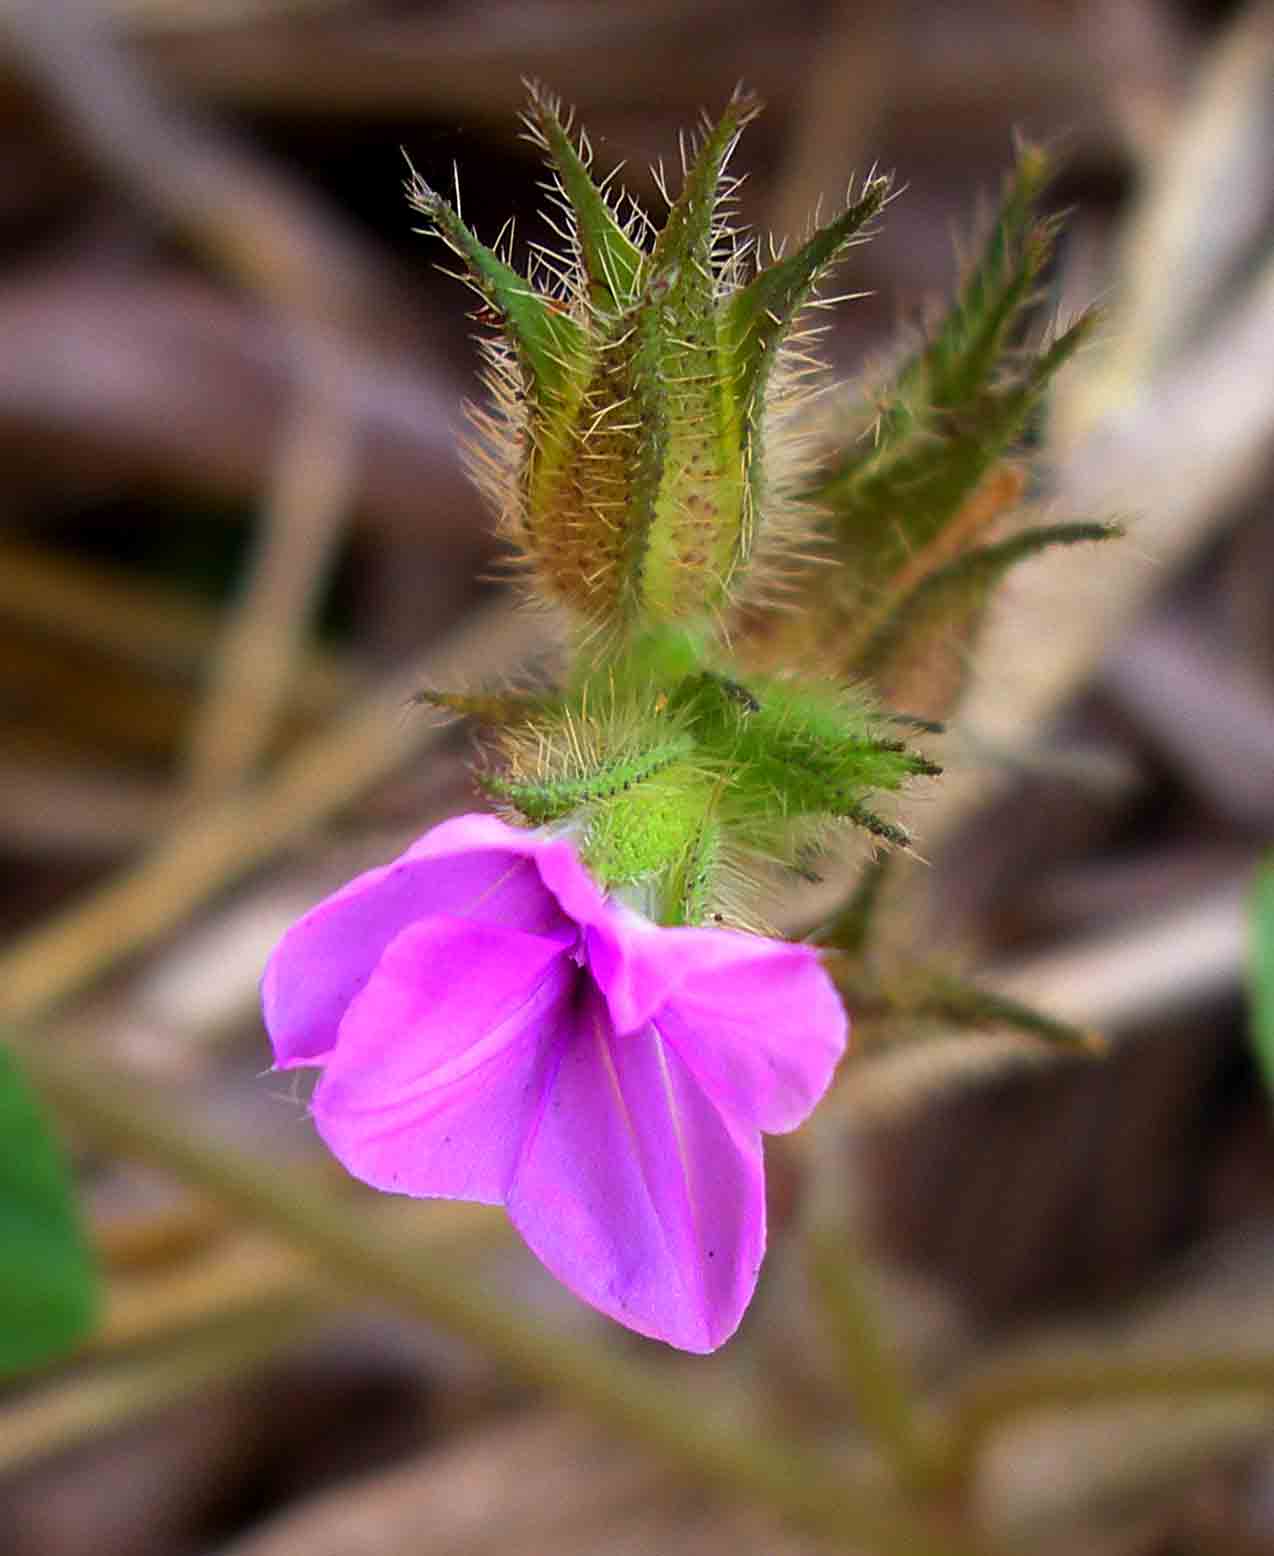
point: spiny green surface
(556, 796)
(686, 762)
(954, 409)
(650, 828)
(953, 599)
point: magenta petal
(759, 1023)
(439, 1070)
(474, 866)
(637, 1192)
(642, 969)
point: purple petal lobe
(578, 894)
(760, 1025)
(636, 1191)
(471, 866)
(439, 1070)
(641, 969)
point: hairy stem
(874, 1378)
(988, 1406)
(627, 1395)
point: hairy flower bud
(625, 450)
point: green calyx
(672, 767)
(626, 450)
(645, 831)
(562, 793)
(796, 753)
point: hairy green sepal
(671, 765)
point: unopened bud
(625, 449)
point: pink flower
(492, 1027)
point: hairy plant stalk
(796, 1481)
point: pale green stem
(875, 1378)
(873, 1374)
(628, 1395)
(993, 1404)
(127, 1389)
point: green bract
(917, 475)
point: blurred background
(237, 536)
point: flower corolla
(493, 1027)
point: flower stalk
(619, 1391)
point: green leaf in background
(1262, 971)
(48, 1289)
